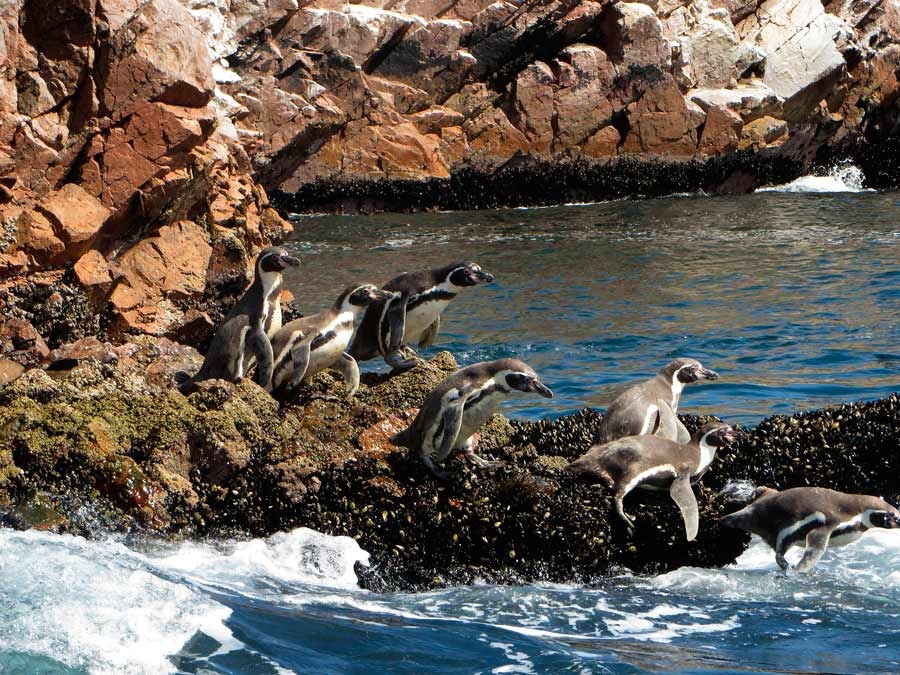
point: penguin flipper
(452, 422)
(684, 497)
(349, 370)
(430, 333)
(393, 324)
(300, 361)
(261, 347)
(666, 422)
(816, 543)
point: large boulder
(159, 54)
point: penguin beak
(377, 294)
(706, 374)
(539, 387)
(479, 275)
(731, 435)
(286, 261)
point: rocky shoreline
(108, 445)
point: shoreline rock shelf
(111, 446)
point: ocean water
(792, 295)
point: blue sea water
(793, 296)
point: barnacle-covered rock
(106, 444)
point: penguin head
(688, 370)
(718, 434)
(465, 274)
(515, 375)
(275, 259)
(882, 515)
(358, 297)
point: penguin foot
(483, 463)
(402, 359)
(440, 474)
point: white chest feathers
(331, 342)
(707, 455)
(424, 309)
(478, 410)
(271, 314)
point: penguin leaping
(244, 335)
(651, 407)
(812, 517)
(655, 463)
(413, 312)
(308, 345)
(458, 406)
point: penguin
(651, 406)
(813, 517)
(244, 335)
(458, 406)
(655, 463)
(413, 313)
(308, 345)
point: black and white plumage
(458, 406)
(308, 345)
(650, 408)
(651, 462)
(244, 335)
(413, 312)
(812, 517)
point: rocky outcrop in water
(107, 444)
(376, 104)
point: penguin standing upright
(244, 335)
(813, 517)
(308, 345)
(650, 407)
(656, 463)
(413, 312)
(458, 406)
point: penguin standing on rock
(413, 312)
(813, 517)
(244, 335)
(308, 345)
(656, 463)
(461, 404)
(650, 408)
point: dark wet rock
(109, 444)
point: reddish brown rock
(20, 341)
(720, 131)
(160, 55)
(663, 122)
(93, 272)
(76, 218)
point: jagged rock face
(114, 161)
(327, 90)
(135, 134)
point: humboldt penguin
(655, 463)
(244, 335)
(651, 406)
(412, 313)
(308, 345)
(813, 517)
(458, 406)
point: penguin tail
(402, 438)
(185, 383)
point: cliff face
(136, 136)
(116, 164)
(331, 92)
